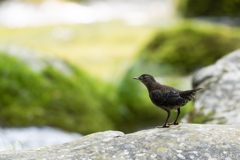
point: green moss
(193, 8)
(191, 45)
(73, 103)
(198, 116)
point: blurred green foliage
(195, 8)
(191, 45)
(73, 103)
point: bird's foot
(175, 123)
(165, 126)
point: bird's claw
(175, 123)
(165, 126)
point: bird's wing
(166, 97)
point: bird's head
(146, 79)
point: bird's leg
(175, 122)
(165, 125)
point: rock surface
(220, 98)
(185, 141)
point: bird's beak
(136, 78)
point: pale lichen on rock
(185, 141)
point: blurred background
(67, 65)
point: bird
(166, 97)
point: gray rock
(185, 141)
(220, 100)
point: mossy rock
(74, 103)
(191, 45)
(196, 8)
(198, 116)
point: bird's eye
(144, 78)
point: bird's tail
(190, 94)
(197, 89)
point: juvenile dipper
(166, 97)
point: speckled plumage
(166, 97)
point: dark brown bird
(166, 97)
